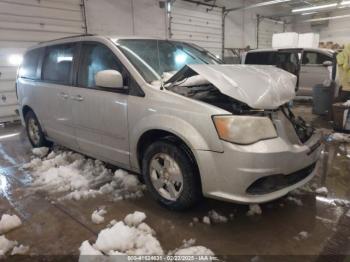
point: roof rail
(66, 37)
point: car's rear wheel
(34, 131)
(171, 175)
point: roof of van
(292, 48)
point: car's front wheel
(34, 132)
(171, 175)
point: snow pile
(194, 251)
(79, 177)
(323, 191)
(6, 245)
(97, 216)
(132, 237)
(20, 250)
(9, 222)
(206, 220)
(254, 210)
(135, 219)
(302, 236)
(297, 201)
(215, 217)
(40, 152)
(188, 249)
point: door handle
(63, 95)
(77, 98)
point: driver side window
(95, 57)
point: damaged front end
(272, 102)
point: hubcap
(34, 131)
(166, 176)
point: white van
(312, 66)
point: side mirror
(327, 63)
(110, 79)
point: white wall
(144, 17)
(126, 17)
(241, 25)
(337, 31)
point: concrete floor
(59, 228)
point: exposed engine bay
(196, 87)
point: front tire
(34, 131)
(171, 175)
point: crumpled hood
(260, 87)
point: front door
(100, 114)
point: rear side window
(315, 58)
(95, 57)
(30, 64)
(261, 58)
(58, 64)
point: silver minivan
(312, 66)
(172, 112)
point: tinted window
(261, 58)
(314, 58)
(30, 64)
(95, 58)
(58, 64)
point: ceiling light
(309, 13)
(326, 18)
(345, 3)
(316, 7)
(15, 60)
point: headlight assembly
(244, 129)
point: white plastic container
(285, 40)
(309, 40)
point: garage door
(268, 27)
(198, 24)
(24, 23)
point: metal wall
(198, 24)
(24, 23)
(265, 29)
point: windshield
(156, 58)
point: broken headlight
(244, 129)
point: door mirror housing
(109, 79)
(327, 63)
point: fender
(179, 127)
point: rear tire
(34, 131)
(171, 175)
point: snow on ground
(20, 250)
(254, 210)
(295, 200)
(133, 236)
(206, 220)
(323, 191)
(6, 245)
(40, 152)
(97, 216)
(216, 218)
(302, 235)
(77, 177)
(9, 222)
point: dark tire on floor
(34, 131)
(191, 192)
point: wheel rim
(166, 176)
(34, 131)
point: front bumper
(228, 175)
